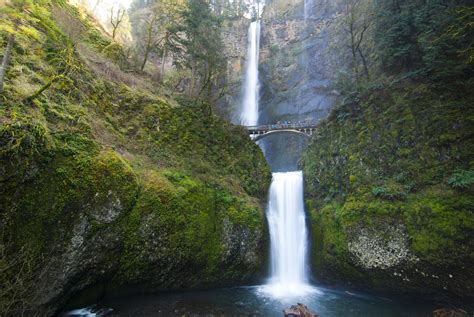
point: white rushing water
(288, 236)
(249, 115)
(308, 9)
(286, 216)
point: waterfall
(288, 236)
(249, 115)
(286, 216)
(308, 9)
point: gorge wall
(296, 69)
(106, 186)
(390, 198)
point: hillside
(389, 175)
(104, 182)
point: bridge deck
(274, 127)
(258, 132)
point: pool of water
(258, 301)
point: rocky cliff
(389, 175)
(295, 65)
(234, 36)
(295, 61)
(295, 72)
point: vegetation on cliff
(395, 156)
(105, 181)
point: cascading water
(249, 115)
(308, 9)
(285, 213)
(288, 236)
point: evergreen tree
(425, 38)
(200, 48)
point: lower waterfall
(288, 236)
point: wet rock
(298, 310)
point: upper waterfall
(308, 9)
(249, 114)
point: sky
(125, 3)
(101, 8)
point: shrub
(462, 179)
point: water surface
(255, 301)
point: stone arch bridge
(259, 132)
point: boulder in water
(298, 310)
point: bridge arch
(256, 137)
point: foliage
(155, 27)
(425, 38)
(389, 192)
(202, 47)
(462, 179)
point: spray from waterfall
(249, 115)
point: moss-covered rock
(184, 233)
(380, 180)
(107, 187)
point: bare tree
(115, 20)
(358, 20)
(20, 271)
(150, 39)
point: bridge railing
(283, 126)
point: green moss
(187, 217)
(378, 159)
(165, 178)
(441, 222)
(66, 189)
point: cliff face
(389, 175)
(295, 65)
(234, 36)
(295, 73)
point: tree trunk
(148, 43)
(145, 58)
(364, 62)
(45, 87)
(193, 81)
(6, 60)
(353, 44)
(163, 58)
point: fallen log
(298, 310)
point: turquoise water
(255, 301)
